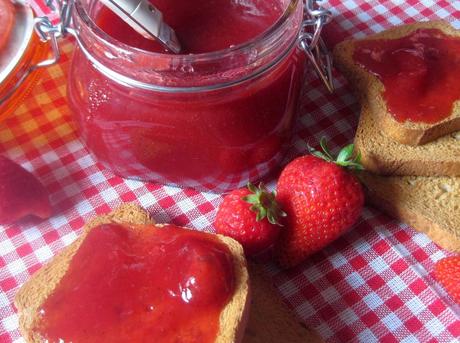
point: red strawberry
(250, 215)
(322, 200)
(21, 194)
(447, 272)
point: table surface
(373, 284)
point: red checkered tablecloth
(374, 284)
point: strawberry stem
(264, 204)
(345, 158)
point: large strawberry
(322, 200)
(21, 194)
(250, 216)
(447, 272)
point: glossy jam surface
(420, 73)
(201, 25)
(141, 285)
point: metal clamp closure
(312, 44)
(48, 32)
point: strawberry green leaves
(344, 159)
(264, 204)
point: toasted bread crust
(418, 221)
(234, 317)
(271, 321)
(381, 155)
(425, 205)
(369, 89)
(36, 290)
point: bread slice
(369, 88)
(382, 155)
(428, 204)
(270, 320)
(34, 292)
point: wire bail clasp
(310, 41)
(49, 32)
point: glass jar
(211, 121)
(20, 59)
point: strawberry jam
(141, 284)
(201, 25)
(419, 72)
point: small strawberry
(21, 194)
(322, 200)
(251, 216)
(447, 272)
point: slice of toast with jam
(32, 298)
(384, 156)
(409, 77)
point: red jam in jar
(202, 25)
(212, 118)
(140, 284)
(419, 72)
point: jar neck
(185, 73)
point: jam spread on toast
(420, 73)
(140, 284)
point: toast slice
(369, 89)
(34, 292)
(270, 320)
(382, 155)
(428, 204)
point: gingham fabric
(374, 284)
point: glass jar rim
(207, 56)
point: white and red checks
(374, 284)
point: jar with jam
(212, 117)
